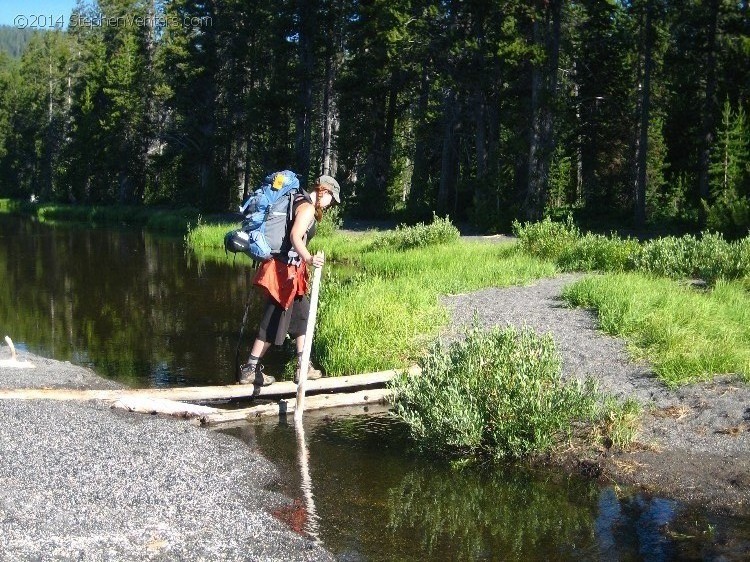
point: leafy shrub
(596, 252)
(440, 231)
(495, 394)
(709, 257)
(712, 257)
(331, 222)
(668, 257)
(547, 239)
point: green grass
(380, 307)
(166, 220)
(384, 307)
(688, 336)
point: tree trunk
(481, 130)
(419, 174)
(306, 13)
(330, 115)
(543, 87)
(447, 166)
(709, 103)
(246, 171)
(642, 145)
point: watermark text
(52, 21)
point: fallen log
(207, 393)
(283, 407)
(145, 405)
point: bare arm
(302, 219)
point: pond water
(130, 304)
(136, 308)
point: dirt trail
(694, 443)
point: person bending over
(284, 280)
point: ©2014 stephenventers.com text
(51, 21)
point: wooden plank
(144, 405)
(283, 407)
(205, 393)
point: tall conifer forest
(484, 110)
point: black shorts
(276, 322)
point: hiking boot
(253, 374)
(312, 374)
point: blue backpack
(268, 213)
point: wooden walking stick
(307, 347)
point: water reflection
(376, 499)
(312, 520)
(125, 302)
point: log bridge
(328, 392)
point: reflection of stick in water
(311, 526)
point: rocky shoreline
(82, 481)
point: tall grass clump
(687, 336)
(440, 231)
(495, 395)
(595, 252)
(208, 236)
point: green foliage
(547, 239)
(688, 336)
(169, 220)
(330, 223)
(440, 231)
(729, 211)
(709, 257)
(495, 394)
(595, 252)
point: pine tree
(729, 174)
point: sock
(252, 359)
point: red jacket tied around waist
(282, 282)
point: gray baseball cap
(331, 184)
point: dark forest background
(630, 111)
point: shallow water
(374, 498)
(136, 308)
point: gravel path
(81, 481)
(695, 441)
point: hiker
(284, 281)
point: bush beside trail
(709, 257)
(499, 394)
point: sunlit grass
(380, 307)
(386, 308)
(687, 335)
